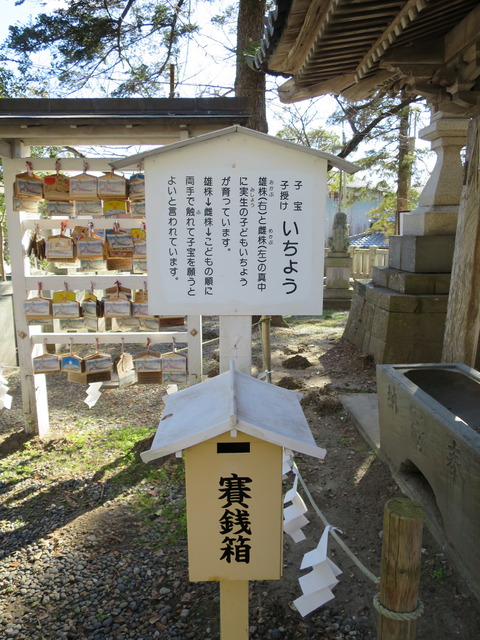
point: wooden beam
(363, 88)
(400, 570)
(134, 108)
(463, 35)
(83, 282)
(132, 337)
(429, 52)
(314, 23)
(289, 92)
(67, 164)
(103, 135)
(393, 30)
(34, 389)
(345, 84)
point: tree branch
(359, 136)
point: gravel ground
(79, 560)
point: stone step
(396, 302)
(411, 283)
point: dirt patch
(296, 362)
(350, 488)
(287, 382)
(14, 442)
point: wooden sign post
(236, 223)
(233, 429)
(236, 346)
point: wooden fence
(364, 259)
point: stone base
(411, 283)
(337, 259)
(427, 221)
(332, 293)
(338, 304)
(422, 254)
(338, 269)
(395, 327)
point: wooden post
(234, 609)
(194, 338)
(266, 349)
(34, 388)
(235, 344)
(400, 569)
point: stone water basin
(430, 429)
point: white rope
(333, 533)
(400, 616)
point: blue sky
(12, 14)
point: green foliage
(439, 574)
(314, 138)
(227, 18)
(106, 464)
(128, 42)
(85, 450)
(383, 215)
(331, 323)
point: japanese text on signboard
(249, 229)
(235, 524)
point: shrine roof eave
(419, 47)
(132, 121)
(104, 119)
(127, 107)
(332, 160)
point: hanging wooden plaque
(72, 363)
(149, 368)
(46, 363)
(111, 186)
(38, 308)
(83, 187)
(60, 208)
(60, 248)
(136, 187)
(88, 208)
(56, 187)
(97, 368)
(28, 185)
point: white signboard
(227, 240)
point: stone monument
(338, 265)
(399, 317)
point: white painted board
(235, 226)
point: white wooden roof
(332, 160)
(113, 121)
(232, 400)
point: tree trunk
(404, 176)
(249, 83)
(462, 327)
